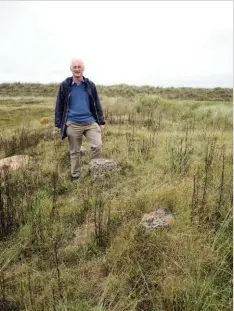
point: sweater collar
(78, 83)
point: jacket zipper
(95, 108)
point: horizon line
(122, 84)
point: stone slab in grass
(160, 218)
(14, 163)
(99, 167)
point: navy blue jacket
(62, 103)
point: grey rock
(160, 218)
(14, 163)
(99, 167)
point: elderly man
(79, 112)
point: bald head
(77, 68)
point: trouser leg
(74, 134)
(94, 138)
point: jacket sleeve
(98, 106)
(59, 108)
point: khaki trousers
(75, 132)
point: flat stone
(14, 163)
(160, 218)
(99, 167)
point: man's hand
(102, 129)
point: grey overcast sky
(158, 43)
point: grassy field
(66, 246)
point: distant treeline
(122, 90)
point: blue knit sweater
(79, 109)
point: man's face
(77, 69)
